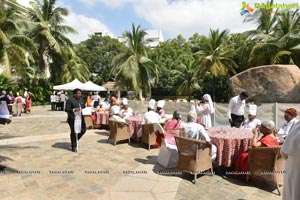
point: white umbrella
(90, 86)
(69, 86)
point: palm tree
(15, 48)
(186, 73)
(214, 56)
(282, 47)
(264, 19)
(48, 31)
(134, 66)
(74, 68)
(287, 22)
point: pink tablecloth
(231, 142)
(102, 117)
(134, 124)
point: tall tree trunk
(141, 94)
(43, 60)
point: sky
(172, 17)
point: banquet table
(134, 124)
(102, 117)
(230, 142)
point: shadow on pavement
(106, 133)
(3, 136)
(62, 145)
(6, 170)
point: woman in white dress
(205, 110)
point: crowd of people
(13, 105)
(265, 134)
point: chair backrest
(264, 165)
(194, 155)
(112, 126)
(192, 147)
(117, 126)
(148, 129)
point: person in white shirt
(291, 151)
(115, 110)
(290, 117)
(159, 108)
(126, 111)
(205, 110)
(236, 109)
(62, 100)
(251, 123)
(151, 116)
(97, 99)
(196, 131)
(53, 99)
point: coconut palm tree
(214, 56)
(282, 47)
(48, 31)
(15, 48)
(74, 68)
(134, 66)
(186, 73)
(264, 19)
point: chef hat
(115, 109)
(252, 109)
(161, 103)
(151, 104)
(125, 101)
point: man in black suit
(74, 107)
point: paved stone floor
(37, 164)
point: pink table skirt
(230, 142)
(134, 125)
(102, 117)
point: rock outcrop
(270, 83)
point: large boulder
(270, 83)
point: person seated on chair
(290, 117)
(268, 140)
(149, 117)
(251, 123)
(115, 110)
(159, 108)
(101, 107)
(196, 131)
(172, 127)
(126, 111)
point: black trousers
(96, 103)
(53, 105)
(73, 135)
(237, 120)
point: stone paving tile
(131, 196)
(47, 151)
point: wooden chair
(88, 121)
(118, 131)
(194, 156)
(267, 164)
(148, 135)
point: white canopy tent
(88, 86)
(69, 86)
